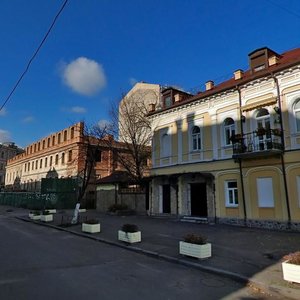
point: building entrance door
(198, 200)
(166, 205)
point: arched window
(196, 138)
(263, 125)
(229, 130)
(263, 119)
(65, 135)
(72, 132)
(297, 114)
(70, 155)
(56, 159)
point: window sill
(196, 151)
(232, 206)
(227, 146)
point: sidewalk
(244, 254)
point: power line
(35, 54)
(284, 8)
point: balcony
(259, 143)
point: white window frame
(296, 112)
(191, 125)
(231, 193)
(265, 195)
(228, 128)
(196, 137)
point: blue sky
(99, 48)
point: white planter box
(291, 272)
(90, 228)
(35, 217)
(129, 237)
(46, 218)
(81, 210)
(194, 250)
(51, 211)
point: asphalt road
(40, 262)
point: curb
(231, 275)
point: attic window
(260, 67)
(168, 101)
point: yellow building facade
(231, 154)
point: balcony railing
(257, 143)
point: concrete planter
(34, 217)
(46, 218)
(291, 272)
(129, 237)
(90, 228)
(194, 250)
(51, 211)
(82, 210)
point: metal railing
(257, 142)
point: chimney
(209, 85)
(238, 74)
(151, 107)
(273, 60)
(177, 97)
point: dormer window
(259, 59)
(171, 96)
(258, 68)
(168, 101)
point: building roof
(115, 177)
(285, 60)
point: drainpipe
(214, 196)
(282, 154)
(240, 161)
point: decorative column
(179, 135)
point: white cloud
(103, 123)
(28, 119)
(84, 76)
(133, 81)
(3, 112)
(4, 136)
(78, 110)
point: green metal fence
(37, 200)
(60, 193)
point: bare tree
(89, 151)
(130, 124)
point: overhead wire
(34, 55)
(285, 9)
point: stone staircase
(191, 219)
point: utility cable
(34, 55)
(294, 13)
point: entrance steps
(191, 219)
